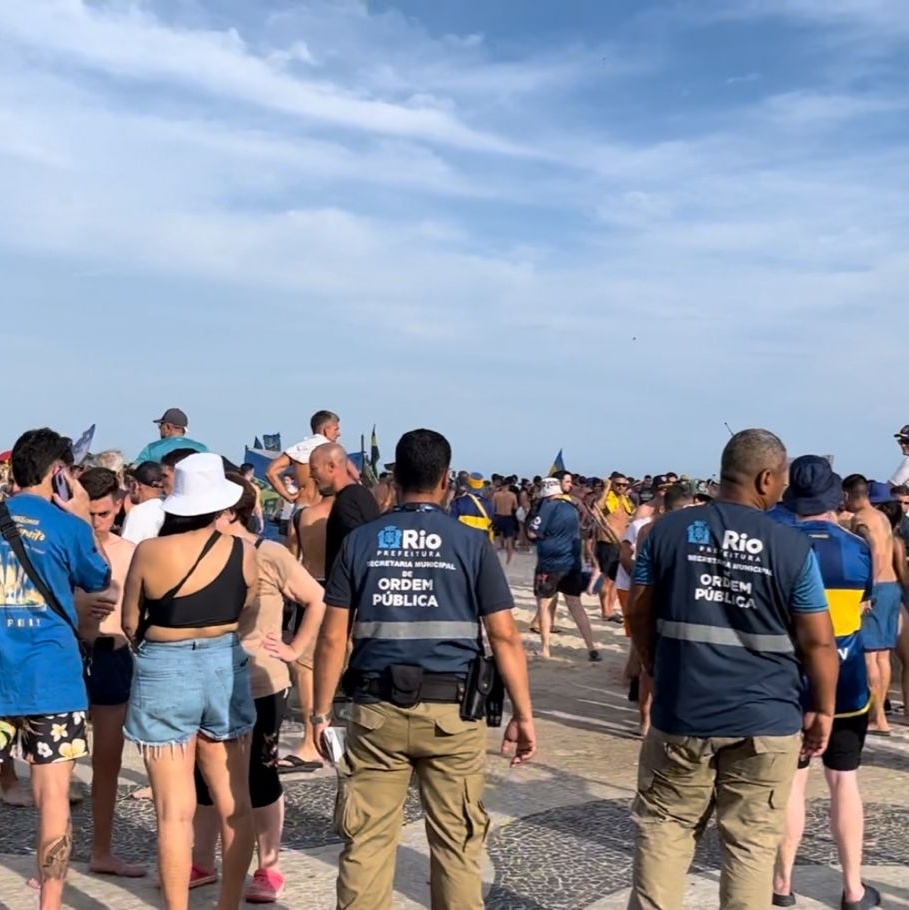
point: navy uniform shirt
(726, 582)
(418, 582)
(557, 530)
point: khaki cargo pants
(385, 747)
(681, 779)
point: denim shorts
(880, 626)
(183, 688)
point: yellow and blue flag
(374, 450)
(558, 464)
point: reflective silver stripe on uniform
(714, 635)
(415, 631)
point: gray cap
(175, 417)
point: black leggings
(264, 783)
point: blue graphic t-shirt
(557, 529)
(40, 665)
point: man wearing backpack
(47, 548)
(471, 507)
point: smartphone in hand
(61, 487)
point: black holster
(483, 682)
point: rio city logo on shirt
(396, 539)
(699, 532)
(390, 538)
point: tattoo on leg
(54, 860)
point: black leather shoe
(783, 900)
(871, 898)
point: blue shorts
(111, 677)
(505, 526)
(183, 688)
(880, 627)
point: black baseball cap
(148, 473)
(903, 433)
(175, 417)
(659, 480)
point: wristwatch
(316, 719)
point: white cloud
(136, 46)
(412, 198)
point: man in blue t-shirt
(42, 692)
(727, 611)
(556, 531)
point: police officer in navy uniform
(412, 589)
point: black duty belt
(434, 687)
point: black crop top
(219, 603)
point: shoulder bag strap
(478, 503)
(11, 535)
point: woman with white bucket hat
(191, 698)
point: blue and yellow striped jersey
(846, 568)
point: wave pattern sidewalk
(562, 836)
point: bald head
(328, 465)
(329, 452)
(754, 468)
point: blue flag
(272, 442)
(558, 464)
(83, 444)
(257, 443)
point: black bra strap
(172, 593)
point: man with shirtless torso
(505, 522)
(654, 506)
(100, 627)
(612, 512)
(880, 624)
(310, 525)
(326, 428)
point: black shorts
(608, 558)
(847, 739)
(111, 677)
(46, 739)
(505, 526)
(548, 584)
(264, 783)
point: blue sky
(605, 227)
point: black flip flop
(293, 764)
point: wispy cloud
(444, 209)
(136, 46)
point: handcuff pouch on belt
(406, 685)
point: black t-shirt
(353, 506)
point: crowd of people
(141, 598)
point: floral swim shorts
(44, 739)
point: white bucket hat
(200, 487)
(551, 486)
